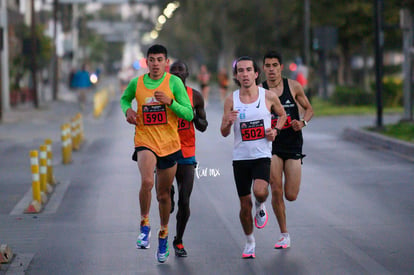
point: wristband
(278, 130)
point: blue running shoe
(143, 238)
(162, 251)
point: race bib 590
(154, 114)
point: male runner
(248, 110)
(186, 165)
(287, 147)
(161, 98)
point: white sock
(250, 238)
(258, 206)
(285, 235)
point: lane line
(51, 206)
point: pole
(55, 57)
(379, 44)
(407, 27)
(307, 32)
(4, 58)
(34, 47)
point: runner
(186, 165)
(287, 147)
(161, 98)
(248, 110)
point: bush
(351, 96)
(392, 94)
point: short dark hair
(273, 54)
(177, 62)
(255, 67)
(157, 48)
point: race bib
(252, 130)
(183, 124)
(154, 114)
(287, 123)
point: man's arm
(181, 104)
(229, 116)
(128, 95)
(302, 100)
(200, 118)
(126, 100)
(277, 108)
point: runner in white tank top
(248, 112)
(249, 128)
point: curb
(402, 148)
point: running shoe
(162, 251)
(248, 251)
(172, 199)
(143, 238)
(283, 242)
(179, 248)
(260, 219)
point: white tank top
(249, 128)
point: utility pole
(55, 78)
(307, 31)
(34, 50)
(379, 45)
(407, 26)
(4, 57)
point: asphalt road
(354, 213)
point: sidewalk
(25, 128)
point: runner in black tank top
(286, 164)
(289, 141)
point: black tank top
(289, 141)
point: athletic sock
(145, 220)
(250, 238)
(163, 232)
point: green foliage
(351, 96)
(326, 108)
(392, 92)
(21, 64)
(402, 130)
(44, 46)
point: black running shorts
(245, 171)
(162, 162)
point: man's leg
(276, 184)
(185, 181)
(246, 221)
(146, 163)
(245, 215)
(293, 173)
(165, 178)
(261, 192)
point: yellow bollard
(44, 189)
(50, 177)
(34, 162)
(66, 143)
(36, 205)
(74, 133)
(81, 133)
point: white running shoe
(260, 219)
(248, 251)
(283, 242)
